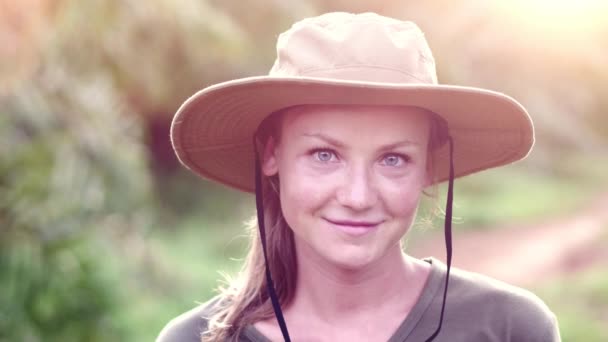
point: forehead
(364, 123)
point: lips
(355, 228)
(354, 223)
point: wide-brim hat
(352, 59)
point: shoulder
(505, 310)
(188, 326)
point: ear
(269, 159)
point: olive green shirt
(478, 308)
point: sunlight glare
(557, 15)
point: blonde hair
(245, 300)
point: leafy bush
(71, 165)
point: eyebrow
(339, 144)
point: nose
(357, 190)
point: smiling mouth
(361, 224)
(355, 228)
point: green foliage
(71, 165)
(163, 52)
(54, 292)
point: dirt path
(527, 254)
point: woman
(338, 143)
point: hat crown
(358, 47)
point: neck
(332, 293)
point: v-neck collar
(431, 288)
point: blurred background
(104, 237)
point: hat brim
(212, 132)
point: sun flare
(557, 15)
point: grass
(580, 303)
(519, 193)
(580, 300)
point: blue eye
(323, 155)
(394, 159)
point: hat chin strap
(259, 201)
(259, 204)
(447, 229)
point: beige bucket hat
(343, 58)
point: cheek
(301, 194)
(401, 200)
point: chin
(351, 258)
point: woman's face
(350, 178)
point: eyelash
(405, 158)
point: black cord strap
(448, 236)
(259, 204)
